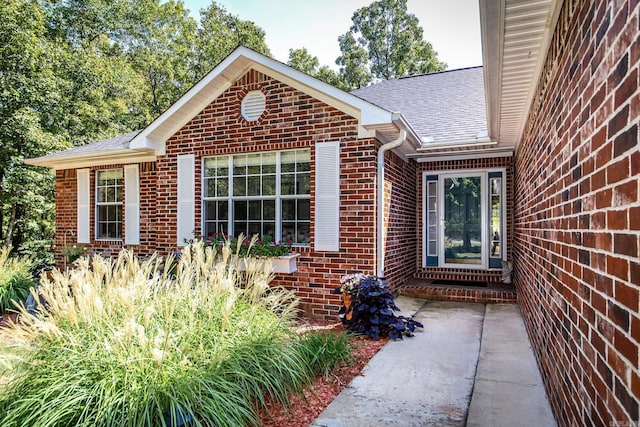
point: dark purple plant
(372, 311)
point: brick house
(531, 159)
(258, 147)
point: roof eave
(112, 157)
(505, 118)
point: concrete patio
(472, 365)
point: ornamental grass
(125, 342)
(15, 279)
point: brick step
(493, 293)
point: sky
(451, 26)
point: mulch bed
(306, 407)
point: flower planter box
(285, 264)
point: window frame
(430, 260)
(99, 204)
(230, 198)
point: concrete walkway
(472, 365)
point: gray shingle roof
(448, 105)
(111, 144)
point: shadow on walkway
(472, 365)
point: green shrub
(15, 279)
(326, 350)
(127, 343)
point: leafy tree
(387, 41)
(220, 33)
(354, 70)
(29, 100)
(162, 50)
(302, 60)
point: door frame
(486, 229)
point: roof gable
(370, 117)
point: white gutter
(381, 231)
(459, 143)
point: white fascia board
(464, 155)
(492, 33)
(125, 156)
(188, 105)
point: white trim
(277, 197)
(131, 205)
(185, 203)
(101, 158)
(98, 204)
(506, 152)
(83, 180)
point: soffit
(516, 36)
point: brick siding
(400, 210)
(577, 216)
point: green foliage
(302, 60)
(385, 42)
(325, 351)
(124, 342)
(220, 33)
(15, 279)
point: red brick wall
(66, 212)
(291, 120)
(447, 166)
(400, 210)
(67, 216)
(577, 216)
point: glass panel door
(462, 219)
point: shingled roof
(117, 143)
(444, 106)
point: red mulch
(305, 408)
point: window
(109, 204)
(264, 193)
(463, 219)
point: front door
(462, 220)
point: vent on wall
(253, 105)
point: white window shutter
(83, 184)
(186, 198)
(327, 207)
(132, 205)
